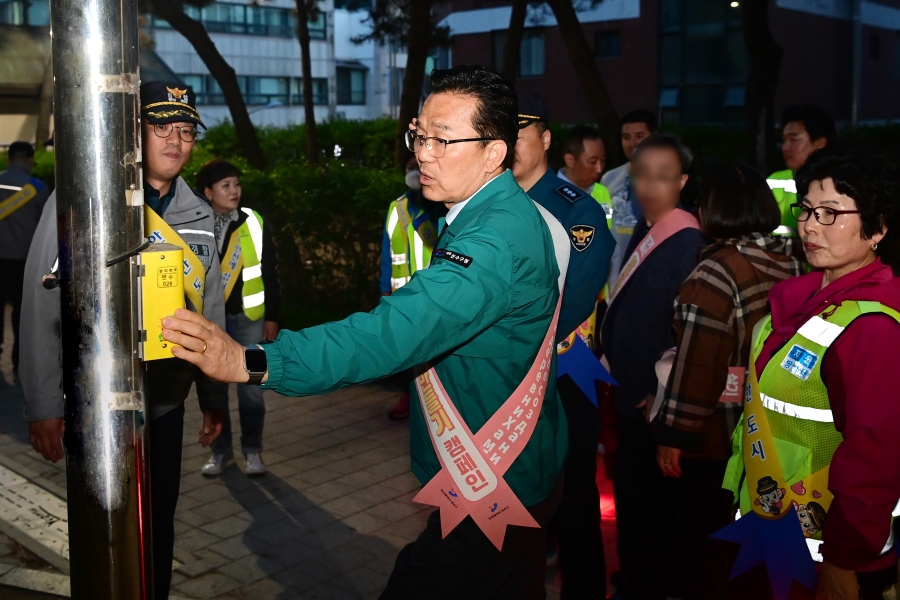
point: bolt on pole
(100, 220)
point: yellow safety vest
(784, 188)
(411, 248)
(600, 193)
(160, 232)
(244, 255)
(784, 443)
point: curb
(53, 585)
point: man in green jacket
(481, 315)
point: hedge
(327, 219)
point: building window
(257, 91)
(531, 54)
(351, 85)
(874, 46)
(531, 62)
(499, 49)
(224, 17)
(320, 91)
(606, 44)
(703, 56)
(33, 13)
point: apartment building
(258, 39)
(687, 60)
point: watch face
(255, 360)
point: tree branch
(224, 74)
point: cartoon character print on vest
(770, 496)
(812, 517)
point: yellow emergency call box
(161, 285)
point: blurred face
(585, 170)
(464, 167)
(225, 194)
(658, 181)
(796, 145)
(632, 134)
(531, 155)
(164, 157)
(838, 248)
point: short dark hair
(574, 142)
(215, 171)
(497, 107)
(736, 201)
(872, 183)
(817, 122)
(668, 141)
(641, 116)
(20, 150)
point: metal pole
(856, 69)
(98, 178)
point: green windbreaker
(480, 322)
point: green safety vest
(784, 188)
(410, 248)
(799, 412)
(601, 194)
(244, 254)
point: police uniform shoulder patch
(570, 192)
(454, 257)
(581, 236)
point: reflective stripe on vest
(788, 185)
(409, 251)
(783, 230)
(253, 291)
(798, 412)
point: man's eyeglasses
(435, 146)
(825, 216)
(187, 134)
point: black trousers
(577, 524)
(644, 528)
(12, 274)
(164, 435)
(698, 507)
(466, 564)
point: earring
(874, 247)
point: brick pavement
(326, 522)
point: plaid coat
(717, 308)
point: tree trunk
(45, 108)
(582, 58)
(414, 77)
(309, 110)
(765, 55)
(224, 74)
(514, 35)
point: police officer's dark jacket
(592, 246)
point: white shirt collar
(562, 175)
(457, 208)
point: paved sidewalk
(326, 522)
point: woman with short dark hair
(717, 307)
(821, 420)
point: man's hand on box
(203, 343)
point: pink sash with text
(470, 482)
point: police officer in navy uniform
(169, 121)
(577, 524)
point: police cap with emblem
(163, 102)
(532, 109)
